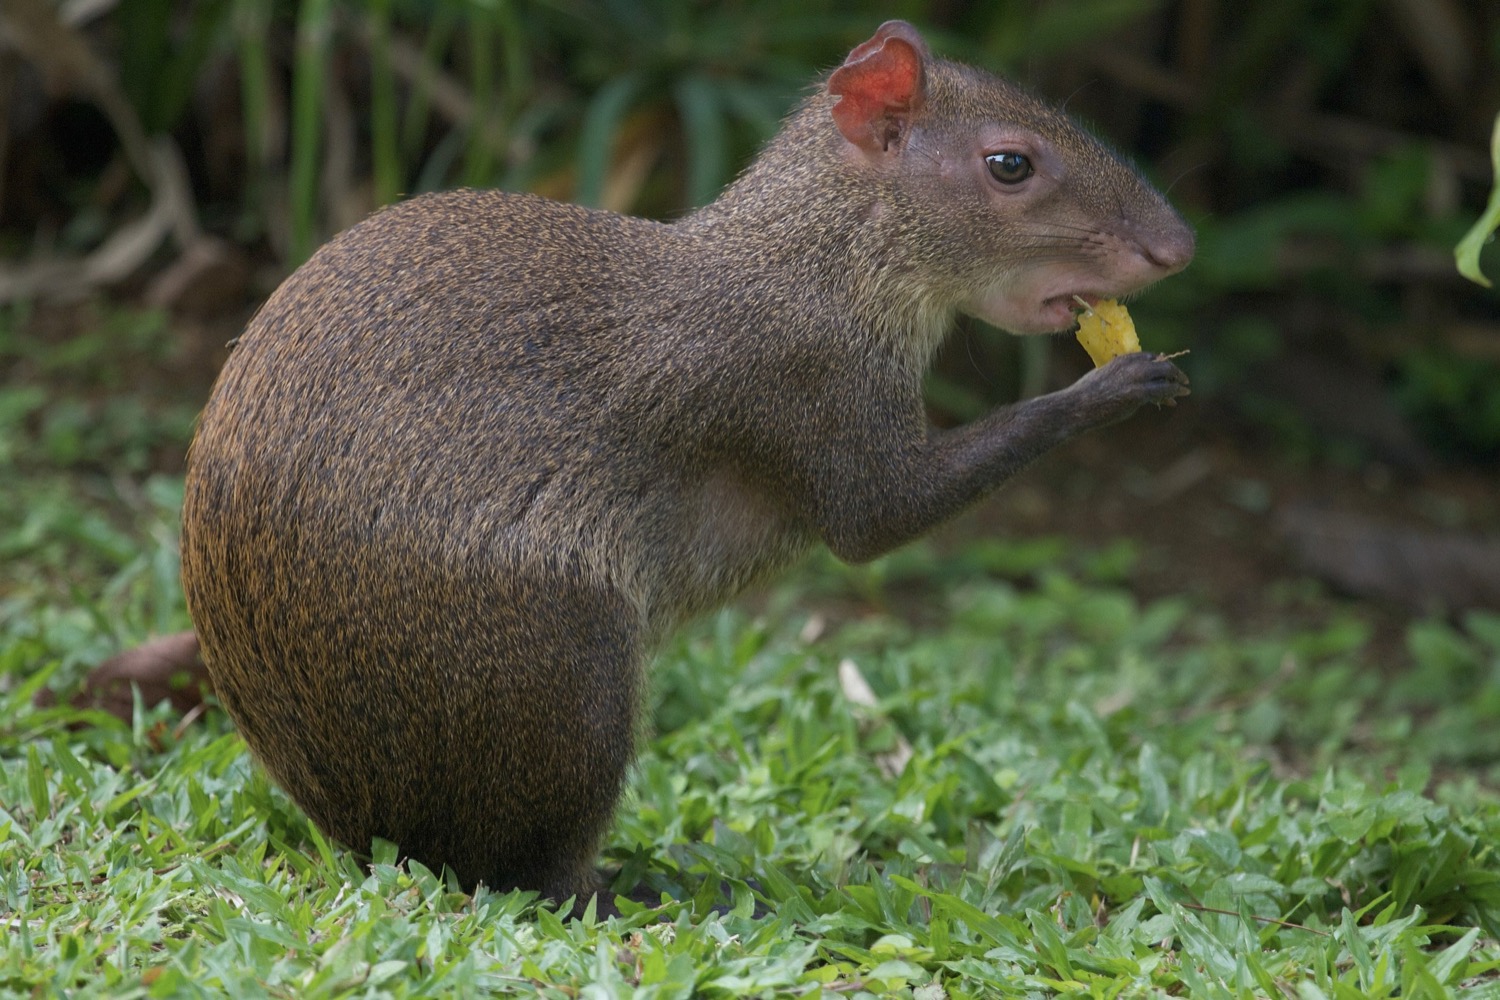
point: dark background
(164, 164)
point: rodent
(471, 463)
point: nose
(1168, 243)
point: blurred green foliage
(60, 399)
(1330, 154)
(537, 93)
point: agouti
(473, 461)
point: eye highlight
(1009, 168)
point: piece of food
(1106, 331)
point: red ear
(879, 85)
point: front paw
(1130, 381)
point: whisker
(1076, 91)
(1046, 258)
(931, 156)
(1063, 227)
(1056, 245)
(1086, 249)
(1184, 173)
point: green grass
(1102, 797)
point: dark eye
(1009, 168)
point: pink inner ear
(879, 84)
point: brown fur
(473, 461)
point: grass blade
(479, 159)
(596, 139)
(385, 150)
(414, 129)
(36, 784)
(314, 31)
(707, 139)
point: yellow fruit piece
(1106, 331)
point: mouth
(1060, 312)
(1027, 311)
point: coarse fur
(473, 461)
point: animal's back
(439, 344)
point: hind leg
(541, 729)
(486, 724)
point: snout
(1167, 242)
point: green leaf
(596, 138)
(1467, 252)
(707, 138)
(1447, 964)
(36, 784)
(313, 40)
